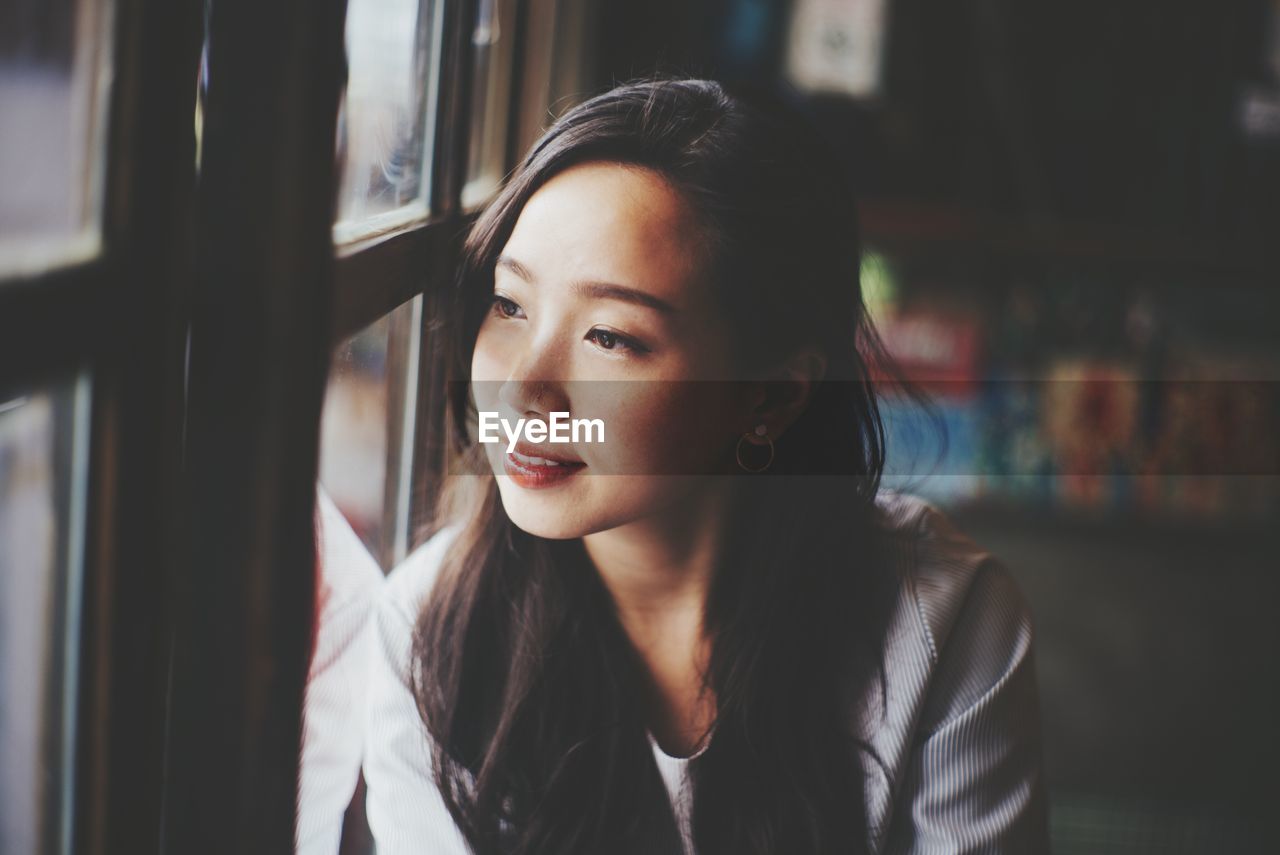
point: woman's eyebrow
(597, 290)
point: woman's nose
(535, 385)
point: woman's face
(600, 311)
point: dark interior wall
(1157, 676)
(1053, 119)
(1128, 113)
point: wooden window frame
(206, 324)
(231, 782)
(373, 277)
(118, 318)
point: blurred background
(1070, 237)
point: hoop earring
(737, 453)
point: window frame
(376, 275)
(205, 324)
(337, 290)
(67, 321)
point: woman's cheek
(636, 445)
(700, 424)
(657, 430)
(486, 358)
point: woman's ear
(784, 393)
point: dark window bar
(260, 343)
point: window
(53, 89)
(555, 73)
(386, 127)
(526, 62)
(493, 40)
(96, 162)
(485, 71)
(366, 450)
(43, 448)
(176, 287)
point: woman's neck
(659, 573)
(659, 569)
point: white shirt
(333, 710)
(675, 775)
(960, 738)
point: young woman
(711, 632)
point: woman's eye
(506, 308)
(608, 340)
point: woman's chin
(555, 517)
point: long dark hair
(525, 679)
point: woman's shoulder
(947, 579)
(409, 584)
(405, 809)
(957, 690)
(954, 716)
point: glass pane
(362, 516)
(386, 125)
(493, 43)
(43, 445)
(53, 87)
(555, 71)
(366, 430)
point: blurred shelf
(925, 228)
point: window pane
(43, 446)
(366, 430)
(493, 43)
(53, 88)
(555, 71)
(386, 125)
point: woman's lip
(526, 450)
(533, 475)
